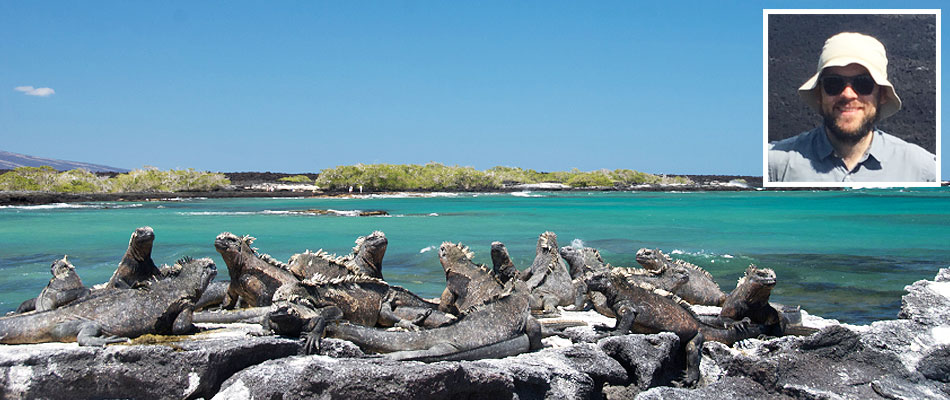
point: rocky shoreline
(267, 184)
(905, 358)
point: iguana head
(455, 256)
(285, 320)
(372, 248)
(680, 276)
(652, 259)
(572, 256)
(140, 244)
(547, 242)
(62, 268)
(757, 284)
(598, 281)
(195, 274)
(499, 254)
(581, 260)
(758, 276)
(233, 249)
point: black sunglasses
(835, 84)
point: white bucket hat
(853, 48)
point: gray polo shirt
(809, 157)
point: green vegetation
(435, 176)
(432, 176)
(373, 177)
(296, 179)
(147, 179)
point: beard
(850, 136)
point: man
(851, 92)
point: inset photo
(851, 98)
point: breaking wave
(227, 213)
(57, 206)
(526, 194)
(428, 249)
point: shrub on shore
(435, 176)
(373, 177)
(296, 179)
(147, 179)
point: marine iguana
(364, 300)
(366, 258)
(548, 279)
(254, 277)
(136, 266)
(502, 266)
(701, 289)
(213, 296)
(163, 307)
(467, 283)
(63, 288)
(750, 299)
(583, 262)
(499, 328)
(642, 308)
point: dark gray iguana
(502, 266)
(366, 259)
(641, 308)
(163, 307)
(501, 327)
(63, 288)
(136, 266)
(254, 277)
(365, 301)
(466, 283)
(700, 289)
(584, 261)
(548, 279)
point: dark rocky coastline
(905, 358)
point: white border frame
(765, 98)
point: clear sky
(301, 86)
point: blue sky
(302, 86)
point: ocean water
(843, 254)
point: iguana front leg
(90, 334)
(693, 357)
(447, 302)
(741, 327)
(387, 317)
(230, 299)
(314, 332)
(184, 321)
(626, 316)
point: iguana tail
(378, 340)
(516, 345)
(247, 315)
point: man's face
(849, 115)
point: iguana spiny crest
(61, 268)
(361, 239)
(619, 280)
(345, 261)
(249, 240)
(762, 276)
(322, 280)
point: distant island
(46, 184)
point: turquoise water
(845, 255)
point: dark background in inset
(795, 42)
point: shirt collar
(877, 150)
(823, 147)
(876, 153)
